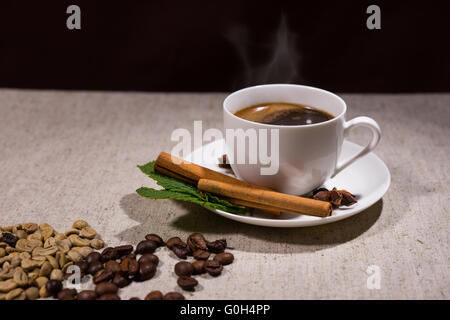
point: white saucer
(368, 178)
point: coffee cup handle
(376, 135)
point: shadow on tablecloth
(170, 218)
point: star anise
(335, 197)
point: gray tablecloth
(73, 155)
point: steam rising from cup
(283, 65)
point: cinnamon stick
(190, 173)
(176, 167)
(284, 202)
(268, 209)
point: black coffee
(285, 114)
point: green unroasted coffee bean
(20, 277)
(28, 245)
(15, 261)
(41, 281)
(60, 236)
(43, 293)
(50, 242)
(40, 251)
(7, 272)
(24, 255)
(52, 260)
(78, 241)
(33, 275)
(84, 251)
(21, 234)
(72, 231)
(56, 274)
(15, 293)
(74, 255)
(46, 268)
(30, 227)
(64, 268)
(88, 232)
(32, 293)
(80, 224)
(37, 235)
(61, 258)
(97, 243)
(7, 285)
(63, 245)
(29, 264)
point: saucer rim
(295, 223)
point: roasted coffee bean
(154, 295)
(94, 267)
(53, 287)
(87, 295)
(103, 275)
(213, 267)
(83, 265)
(121, 280)
(93, 256)
(124, 250)
(67, 294)
(131, 256)
(106, 287)
(217, 246)
(146, 246)
(184, 269)
(135, 298)
(199, 266)
(129, 266)
(113, 266)
(154, 237)
(173, 296)
(149, 257)
(146, 271)
(108, 254)
(224, 258)
(201, 254)
(173, 241)
(181, 250)
(109, 296)
(196, 241)
(187, 283)
(9, 238)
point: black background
(225, 45)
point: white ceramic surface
(308, 154)
(368, 178)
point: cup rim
(240, 91)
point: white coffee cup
(308, 154)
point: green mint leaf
(179, 190)
(167, 194)
(168, 183)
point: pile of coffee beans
(112, 269)
(34, 257)
(35, 261)
(117, 267)
(201, 250)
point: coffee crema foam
(285, 114)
